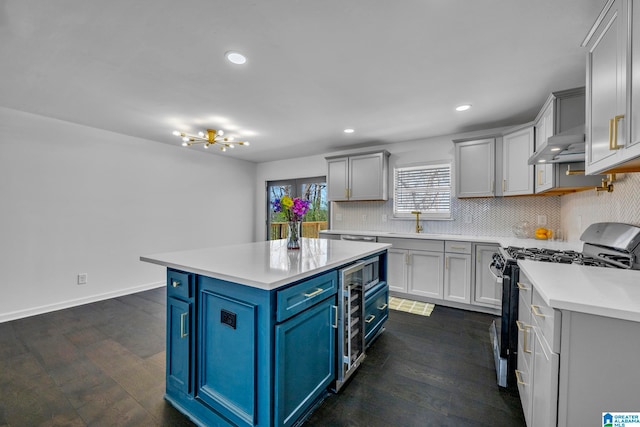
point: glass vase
(295, 228)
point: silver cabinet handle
(183, 331)
(369, 318)
(175, 283)
(335, 316)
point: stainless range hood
(565, 147)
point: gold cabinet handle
(369, 318)
(504, 184)
(522, 286)
(382, 307)
(183, 331)
(175, 283)
(519, 378)
(314, 293)
(540, 172)
(458, 247)
(613, 133)
(446, 263)
(523, 328)
(536, 310)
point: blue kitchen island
(251, 328)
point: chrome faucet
(418, 226)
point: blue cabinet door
(228, 356)
(305, 360)
(178, 345)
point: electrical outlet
(542, 220)
(384, 217)
(82, 279)
(468, 219)
(364, 218)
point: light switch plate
(542, 220)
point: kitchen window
(312, 189)
(425, 188)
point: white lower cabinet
(425, 273)
(443, 272)
(487, 289)
(573, 366)
(457, 272)
(397, 270)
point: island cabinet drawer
(299, 297)
(179, 284)
(547, 321)
(457, 247)
(376, 311)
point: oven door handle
(498, 278)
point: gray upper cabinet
(543, 173)
(358, 177)
(475, 166)
(517, 147)
(613, 134)
(562, 115)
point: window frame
(425, 166)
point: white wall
(83, 200)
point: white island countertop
(267, 265)
(498, 240)
(602, 291)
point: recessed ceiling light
(235, 57)
(542, 161)
(463, 107)
(556, 149)
(349, 131)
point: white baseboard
(14, 315)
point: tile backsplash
(488, 216)
(622, 205)
(497, 216)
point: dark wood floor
(102, 364)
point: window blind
(425, 188)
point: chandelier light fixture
(211, 137)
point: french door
(313, 189)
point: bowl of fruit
(543, 233)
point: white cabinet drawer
(414, 244)
(525, 289)
(457, 247)
(546, 320)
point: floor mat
(410, 306)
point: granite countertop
(267, 265)
(602, 291)
(502, 241)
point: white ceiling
(392, 70)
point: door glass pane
(312, 189)
(316, 218)
(277, 223)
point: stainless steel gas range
(605, 245)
